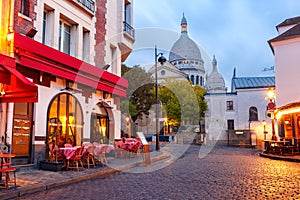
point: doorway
(22, 132)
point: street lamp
(162, 60)
(265, 132)
(271, 109)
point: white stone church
(233, 117)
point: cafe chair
(7, 172)
(137, 149)
(101, 155)
(118, 149)
(88, 156)
(75, 159)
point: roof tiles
(253, 82)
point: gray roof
(253, 82)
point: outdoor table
(68, 152)
(275, 146)
(100, 146)
(129, 144)
(5, 156)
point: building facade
(61, 71)
(285, 48)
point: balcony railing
(128, 29)
(89, 4)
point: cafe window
(100, 124)
(253, 115)
(65, 121)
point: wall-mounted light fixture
(70, 89)
(31, 33)
(106, 67)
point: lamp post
(265, 132)
(161, 59)
(271, 109)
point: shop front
(17, 98)
(49, 99)
(288, 119)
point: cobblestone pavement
(225, 173)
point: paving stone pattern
(225, 173)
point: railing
(89, 4)
(128, 29)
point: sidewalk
(290, 158)
(32, 181)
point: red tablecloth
(99, 147)
(68, 152)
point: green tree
(140, 84)
(182, 102)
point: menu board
(21, 137)
(142, 137)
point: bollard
(147, 155)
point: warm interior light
(264, 122)
(288, 111)
(2, 92)
(103, 130)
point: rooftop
(253, 82)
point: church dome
(215, 81)
(185, 50)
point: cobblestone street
(225, 173)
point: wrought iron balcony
(89, 4)
(128, 29)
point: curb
(39, 187)
(276, 157)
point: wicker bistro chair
(76, 159)
(101, 155)
(88, 156)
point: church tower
(186, 56)
(215, 82)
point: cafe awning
(37, 56)
(14, 87)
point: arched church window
(253, 114)
(201, 80)
(197, 80)
(192, 79)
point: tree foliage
(182, 102)
(140, 84)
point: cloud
(236, 31)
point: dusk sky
(235, 31)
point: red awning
(35, 55)
(16, 87)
